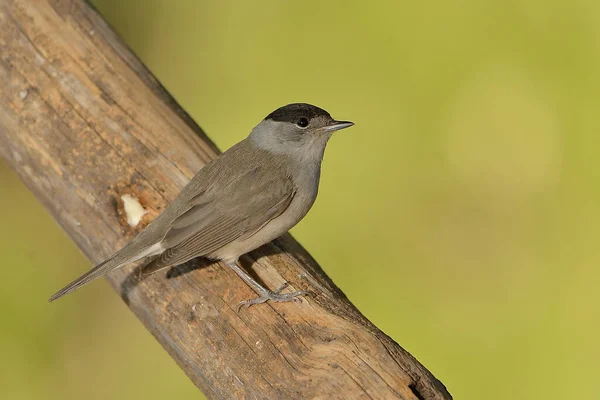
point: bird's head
(296, 128)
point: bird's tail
(116, 261)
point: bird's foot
(275, 296)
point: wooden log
(83, 122)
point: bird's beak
(337, 125)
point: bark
(83, 122)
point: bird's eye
(302, 123)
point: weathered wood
(83, 122)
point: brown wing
(224, 214)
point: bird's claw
(275, 296)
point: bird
(248, 196)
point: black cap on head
(292, 112)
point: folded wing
(219, 216)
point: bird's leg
(265, 294)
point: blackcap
(249, 195)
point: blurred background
(460, 214)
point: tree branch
(83, 122)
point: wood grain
(83, 122)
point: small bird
(248, 196)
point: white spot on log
(206, 310)
(17, 157)
(23, 94)
(133, 209)
(92, 32)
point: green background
(460, 214)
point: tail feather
(96, 272)
(116, 261)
